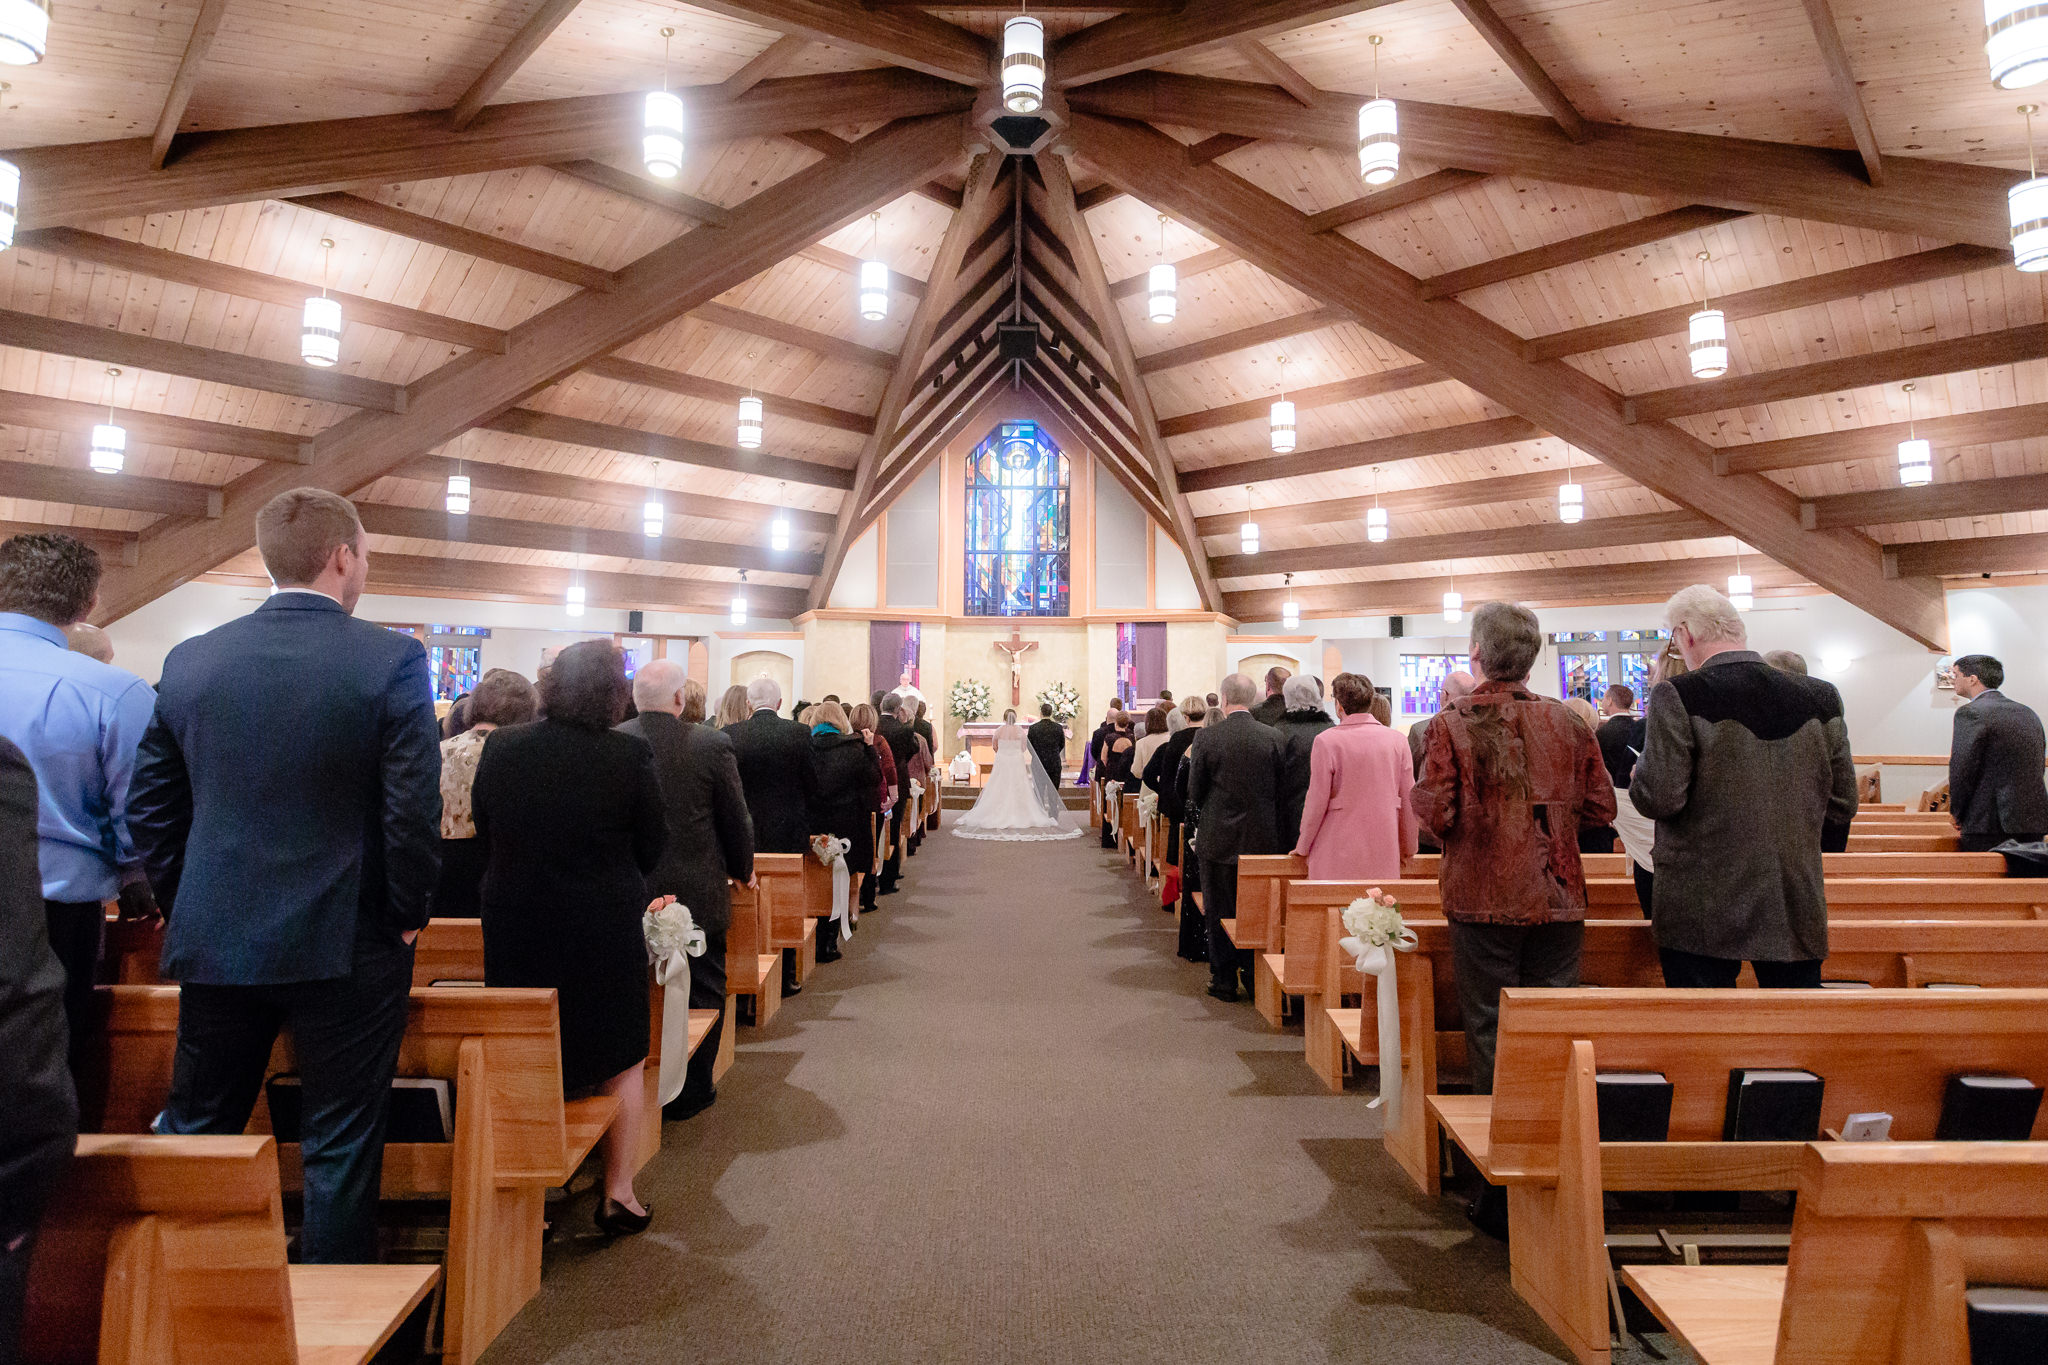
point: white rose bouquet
(969, 700)
(1374, 934)
(1374, 921)
(671, 929)
(1065, 701)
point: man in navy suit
(287, 807)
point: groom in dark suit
(1049, 741)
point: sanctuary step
(963, 797)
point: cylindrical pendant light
(1916, 456)
(24, 31)
(1290, 610)
(109, 440)
(874, 276)
(457, 500)
(661, 124)
(1376, 515)
(2026, 207)
(1571, 498)
(573, 604)
(1379, 129)
(320, 338)
(778, 529)
(1248, 534)
(1707, 332)
(738, 615)
(1454, 601)
(10, 189)
(2016, 42)
(1162, 295)
(750, 423)
(653, 517)
(1741, 592)
(1283, 416)
(1023, 65)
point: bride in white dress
(1020, 802)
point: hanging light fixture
(1290, 610)
(653, 517)
(1571, 498)
(2027, 207)
(1707, 332)
(320, 342)
(109, 440)
(457, 500)
(1248, 534)
(874, 276)
(778, 529)
(661, 124)
(1454, 601)
(1283, 416)
(10, 189)
(573, 604)
(738, 615)
(750, 423)
(24, 31)
(1376, 515)
(1379, 128)
(1916, 456)
(2016, 42)
(1741, 591)
(1163, 284)
(1023, 64)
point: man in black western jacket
(1234, 778)
(774, 759)
(1048, 739)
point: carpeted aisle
(1009, 1126)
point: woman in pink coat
(1357, 825)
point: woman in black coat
(1162, 775)
(571, 816)
(845, 800)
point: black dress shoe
(1223, 992)
(888, 890)
(1489, 1212)
(616, 1220)
(830, 955)
(687, 1106)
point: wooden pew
(1260, 926)
(792, 928)
(1908, 863)
(1127, 825)
(1886, 1238)
(1903, 843)
(1890, 1050)
(514, 1135)
(753, 964)
(171, 1251)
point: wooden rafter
(548, 426)
(1508, 47)
(1201, 263)
(432, 524)
(1640, 232)
(205, 27)
(128, 493)
(1540, 486)
(535, 31)
(1396, 196)
(122, 546)
(487, 476)
(791, 334)
(1259, 334)
(910, 286)
(660, 286)
(1940, 199)
(1132, 42)
(640, 188)
(1123, 466)
(1409, 445)
(1201, 154)
(901, 388)
(1487, 357)
(1637, 581)
(1939, 502)
(1842, 77)
(420, 227)
(831, 144)
(1647, 528)
(491, 580)
(1396, 380)
(1269, 64)
(697, 386)
(903, 37)
(1971, 556)
(769, 62)
(153, 428)
(1882, 442)
(981, 373)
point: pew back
(1907, 863)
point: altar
(980, 738)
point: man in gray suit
(1995, 786)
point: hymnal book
(1635, 1106)
(1988, 1109)
(1766, 1105)
(2007, 1326)
(1952, 986)
(421, 1109)
(1847, 986)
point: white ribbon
(1378, 963)
(832, 852)
(672, 974)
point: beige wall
(836, 659)
(1195, 656)
(777, 665)
(970, 652)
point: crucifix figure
(1016, 647)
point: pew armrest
(1468, 1121)
(584, 1123)
(701, 1024)
(1725, 1314)
(1230, 930)
(342, 1314)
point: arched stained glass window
(1018, 501)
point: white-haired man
(1743, 767)
(1234, 777)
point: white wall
(859, 582)
(1174, 580)
(1120, 530)
(914, 539)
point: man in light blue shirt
(79, 722)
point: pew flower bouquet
(1148, 805)
(1374, 934)
(1374, 919)
(1065, 701)
(969, 700)
(671, 929)
(828, 850)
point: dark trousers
(1489, 957)
(892, 870)
(1984, 843)
(345, 1033)
(1227, 961)
(32, 1178)
(1646, 882)
(76, 930)
(1683, 969)
(707, 992)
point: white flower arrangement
(969, 700)
(1374, 919)
(1148, 804)
(827, 849)
(916, 789)
(671, 929)
(1065, 701)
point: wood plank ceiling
(524, 304)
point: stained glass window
(1582, 675)
(454, 663)
(1018, 488)
(1635, 674)
(1422, 681)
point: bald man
(83, 638)
(1456, 685)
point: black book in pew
(2007, 1326)
(1767, 1105)
(1988, 1109)
(1635, 1106)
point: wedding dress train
(1020, 803)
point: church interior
(1060, 358)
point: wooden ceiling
(522, 300)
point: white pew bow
(832, 853)
(1377, 934)
(673, 938)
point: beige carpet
(1009, 1126)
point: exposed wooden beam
(1941, 262)
(654, 290)
(1485, 356)
(1407, 192)
(1263, 60)
(1938, 502)
(831, 144)
(910, 286)
(983, 377)
(1970, 557)
(1848, 372)
(1586, 247)
(1648, 528)
(541, 23)
(1200, 153)
(1121, 463)
(88, 182)
(204, 29)
(1201, 263)
(646, 191)
(421, 227)
(1102, 194)
(1508, 47)
(420, 523)
(903, 379)
(124, 492)
(1038, 6)
(1409, 445)
(120, 546)
(34, 333)
(198, 272)
(489, 580)
(1259, 334)
(902, 37)
(791, 334)
(1132, 42)
(1640, 581)
(951, 336)
(1096, 289)
(1882, 441)
(1843, 78)
(1540, 486)
(486, 476)
(1351, 390)
(548, 426)
(770, 61)
(151, 428)
(1947, 201)
(697, 386)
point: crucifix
(1016, 647)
